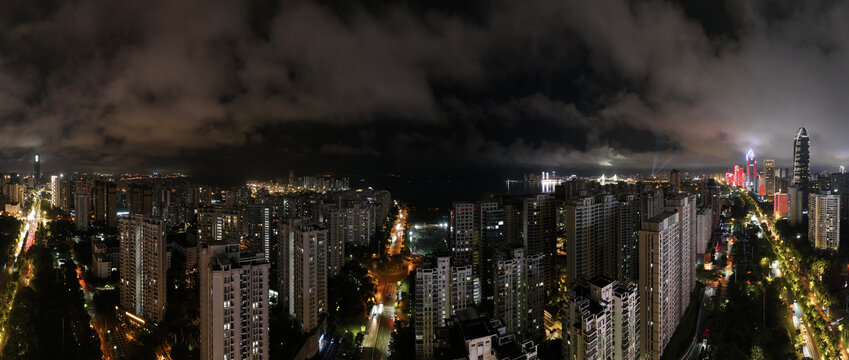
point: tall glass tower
(36, 170)
(751, 171)
(801, 159)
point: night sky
(254, 88)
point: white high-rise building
(703, 229)
(685, 206)
(824, 221)
(233, 303)
(441, 291)
(602, 321)
(302, 270)
(55, 190)
(660, 282)
(142, 267)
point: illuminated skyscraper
(769, 177)
(781, 204)
(801, 160)
(751, 170)
(36, 169)
(801, 175)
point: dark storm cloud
(399, 85)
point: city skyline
(424, 179)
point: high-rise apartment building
(462, 232)
(233, 303)
(111, 205)
(704, 229)
(256, 222)
(651, 203)
(442, 290)
(55, 190)
(601, 321)
(627, 239)
(491, 234)
(142, 267)
(140, 199)
(469, 335)
(360, 223)
(81, 214)
(660, 282)
(798, 202)
(219, 225)
(824, 221)
(591, 237)
(335, 221)
(685, 206)
(302, 270)
(520, 293)
(540, 233)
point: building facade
(824, 221)
(442, 290)
(302, 270)
(142, 267)
(660, 282)
(233, 303)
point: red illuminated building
(781, 205)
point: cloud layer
(336, 84)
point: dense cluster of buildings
(797, 194)
(234, 238)
(630, 252)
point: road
(793, 271)
(379, 329)
(382, 318)
(88, 295)
(25, 241)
